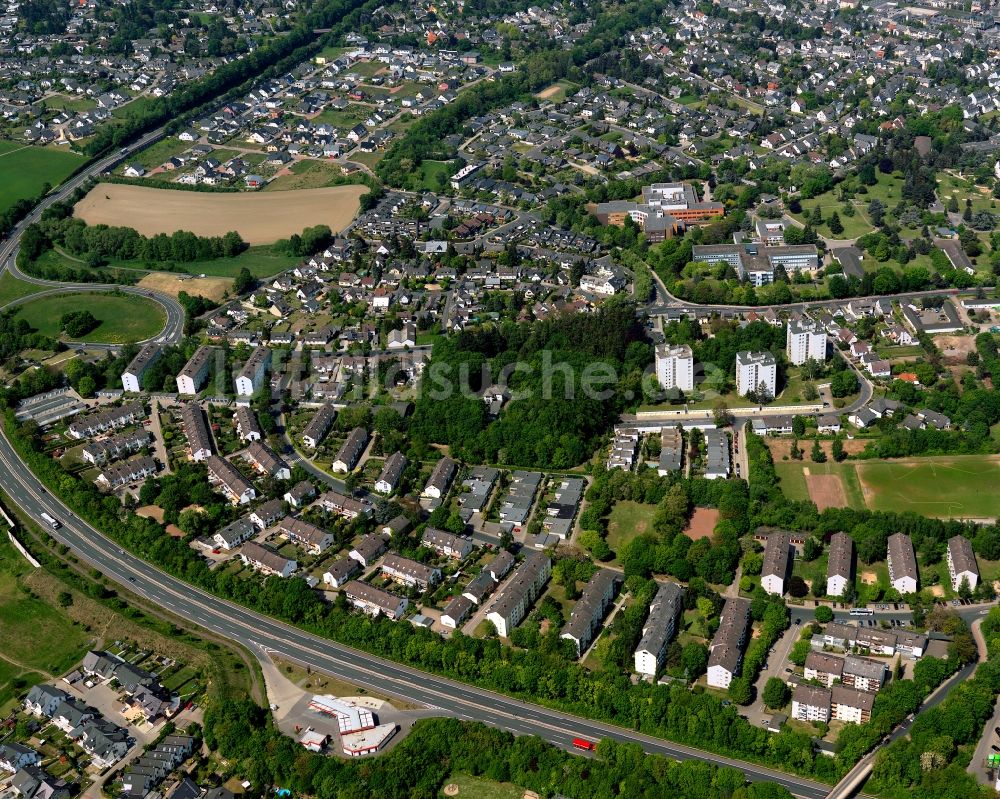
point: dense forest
(570, 377)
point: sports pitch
(954, 486)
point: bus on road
(585, 745)
(862, 612)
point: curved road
(261, 633)
(174, 327)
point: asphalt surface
(260, 633)
(173, 329)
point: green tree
(694, 659)
(740, 691)
(775, 694)
(824, 614)
(835, 225)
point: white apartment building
(962, 563)
(754, 369)
(805, 340)
(132, 376)
(675, 367)
(251, 376)
(192, 377)
(811, 703)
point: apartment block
(675, 367)
(511, 603)
(805, 340)
(195, 372)
(902, 564)
(962, 564)
(659, 629)
(725, 656)
(777, 559)
(840, 564)
(251, 377)
(755, 370)
(134, 372)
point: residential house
(266, 560)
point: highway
(173, 330)
(260, 633)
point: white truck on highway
(50, 521)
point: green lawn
(123, 318)
(154, 155)
(958, 486)
(478, 788)
(13, 289)
(33, 634)
(902, 351)
(949, 185)
(64, 102)
(430, 172)
(628, 520)
(888, 189)
(344, 119)
(13, 680)
(262, 261)
(24, 170)
(308, 174)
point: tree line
(98, 244)
(435, 749)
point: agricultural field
(25, 169)
(956, 486)
(13, 289)
(124, 318)
(260, 218)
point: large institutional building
(757, 263)
(666, 208)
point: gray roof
(777, 554)
(825, 663)
(663, 612)
(962, 556)
(864, 667)
(902, 560)
(811, 695)
(840, 562)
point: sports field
(124, 318)
(259, 217)
(25, 169)
(954, 486)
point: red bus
(587, 746)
